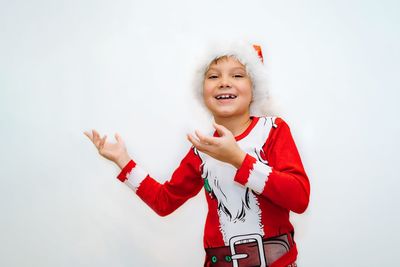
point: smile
(225, 96)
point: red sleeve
(165, 198)
(279, 174)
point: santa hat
(250, 56)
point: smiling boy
(250, 168)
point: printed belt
(250, 250)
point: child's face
(227, 89)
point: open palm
(111, 151)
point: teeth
(226, 97)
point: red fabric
(287, 185)
(243, 173)
(185, 183)
(259, 52)
(287, 188)
(126, 170)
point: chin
(224, 113)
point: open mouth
(225, 96)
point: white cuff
(258, 177)
(135, 177)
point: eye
(238, 76)
(213, 76)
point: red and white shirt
(256, 198)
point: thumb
(222, 131)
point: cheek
(251, 95)
(247, 90)
(207, 90)
(250, 90)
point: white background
(126, 66)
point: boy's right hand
(115, 152)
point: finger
(102, 142)
(94, 134)
(88, 135)
(207, 149)
(118, 138)
(192, 140)
(196, 143)
(222, 130)
(205, 139)
(97, 134)
(96, 138)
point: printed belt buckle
(235, 257)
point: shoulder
(278, 129)
(274, 122)
(280, 122)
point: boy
(250, 168)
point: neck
(236, 125)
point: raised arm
(185, 182)
(165, 198)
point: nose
(225, 82)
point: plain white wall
(125, 66)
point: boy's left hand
(223, 148)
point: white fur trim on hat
(247, 55)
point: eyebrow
(233, 69)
